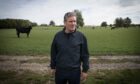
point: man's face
(70, 24)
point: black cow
(23, 30)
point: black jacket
(69, 50)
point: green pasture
(101, 41)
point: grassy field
(96, 77)
(101, 41)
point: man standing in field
(68, 51)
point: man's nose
(73, 22)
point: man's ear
(64, 24)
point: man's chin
(72, 30)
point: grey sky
(126, 3)
(93, 11)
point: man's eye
(72, 21)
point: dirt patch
(40, 64)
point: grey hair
(69, 14)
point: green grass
(118, 41)
(96, 77)
(26, 77)
(101, 41)
(38, 43)
(114, 77)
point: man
(68, 51)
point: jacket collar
(73, 33)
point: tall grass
(101, 41)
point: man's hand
(53, 71)
(84, 76)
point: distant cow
(23, 30)
(113, 27)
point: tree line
(13, 23)
(118, 22)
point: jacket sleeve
(84, 55)
(53, 54)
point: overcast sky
(93, 11)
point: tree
(52, 23)
(103, 24)
(44, 25)
(80, 21)
(127, 22)
(34, 24)
(119, 22)
(13, 23)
